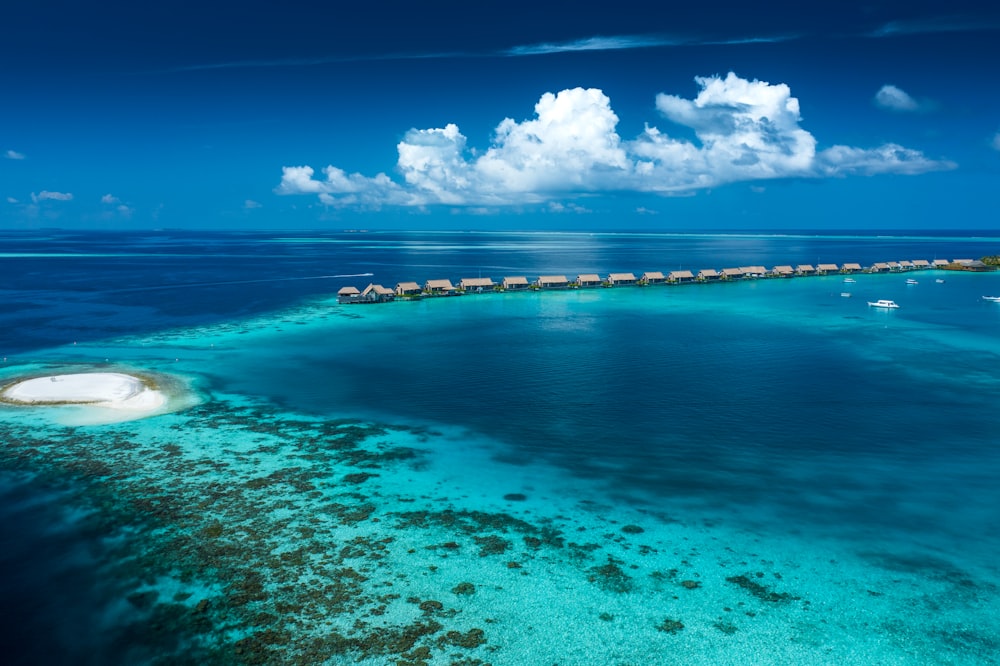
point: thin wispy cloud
(627, 42)
(595, 43)
(942, 24)
(996, 141)
(14, 155)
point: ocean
(760, 472)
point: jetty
(438, 287)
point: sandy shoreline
(100, 389)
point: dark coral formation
(760, 591)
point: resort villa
(552, 282)
(515, 283)
(477, 285)
(616, 279)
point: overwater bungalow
(439, 287)
(893, 266)
(905, 265)
(708, 275)
(753, 271)
(552, 282)
(805, 269)
(476, 285)
(515, 283)
(408, 290)
(680, 277)
(348, 295)
(376, 293)
(920, 264)
(826, 269)
(940, 262)
(850, 268)
(619, 279)
(783, 271)
(732, 274)
(879, 267)
(652, 277)
(588, 280)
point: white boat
(845, 294)
(939, 281)
(883, 303)
(994, 299)
(910, 281)
(849, 280)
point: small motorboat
(910, 281)
(883, 303)
(849, 280)
(845, 294)
(992, 299)
(939, 281)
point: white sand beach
(101, 389)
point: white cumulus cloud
(745, 130)
(109, 199)
(14, 155)
(53, 196)
(895, 99)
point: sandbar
(100, 389)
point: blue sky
(458, 115)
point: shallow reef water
(239, 534)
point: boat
(939, 281)
(992, 299)
(845, 294)
(910, 281)
(849, 280)
(883, 303)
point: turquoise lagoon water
(765, 472)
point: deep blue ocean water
(777, 424)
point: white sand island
(97, 389)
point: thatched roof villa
(552, 282)
(439, 287)
(477, 284)
(616, 279)
(376, 293)
(652, 277)
(515, 283)
(408, 290)
(680, 276)
(348, 295)
(589, 280)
